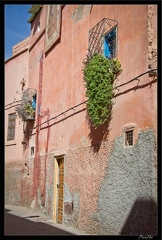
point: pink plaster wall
(63, 87)
(16, 69)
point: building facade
(104, 180)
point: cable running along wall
(72, 108)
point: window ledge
(10, 144)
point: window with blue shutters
(109, 44)
(103, 38)
(34, 101)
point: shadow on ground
(15, 225)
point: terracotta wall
(92, 157)
(63, 80)
(62, 87)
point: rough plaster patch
(36, 60)
(33, 204)
(73, 197)
(84, 140)
(49, 185)
(152, 37)
(67, 194)
(80, 12)
(39, 198)
(21, 46)
(86, 179)
(131, 175)
(13, 175)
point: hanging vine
(99, 74)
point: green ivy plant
(99, 73)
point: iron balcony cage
(103, 38)
(26, 110)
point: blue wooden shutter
(34, 101)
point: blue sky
(15, 24)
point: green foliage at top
(99, 74)
(28, 109)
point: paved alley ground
(24, 221)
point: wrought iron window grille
(103, 38)
(129, 138)
(27, 108)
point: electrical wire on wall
(72, 108)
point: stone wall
(109, 192)
(124, 200)
(152, 36)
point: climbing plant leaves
(99, 74)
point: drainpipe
(45, 160)
(37, 164)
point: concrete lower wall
(109, 192)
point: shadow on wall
(28, 125)
(142, 219)
(98, 135)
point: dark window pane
(11, 126)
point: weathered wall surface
(129, 181)
(105, 182)
(63, 79)
(130, 177)
(16, 72)
(12, 183)
(83, 170)
(88, 159)
(17, 183)
(21, 46)
(152, 36)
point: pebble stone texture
(129, 189)
(128, 194)
(110, 193)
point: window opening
(11, 126)
(109, 44)
(129, 138)
(103, 38)
(32, 151)
(34, 101)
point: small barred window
(11, 126)
(129, 138)
(32, 151)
